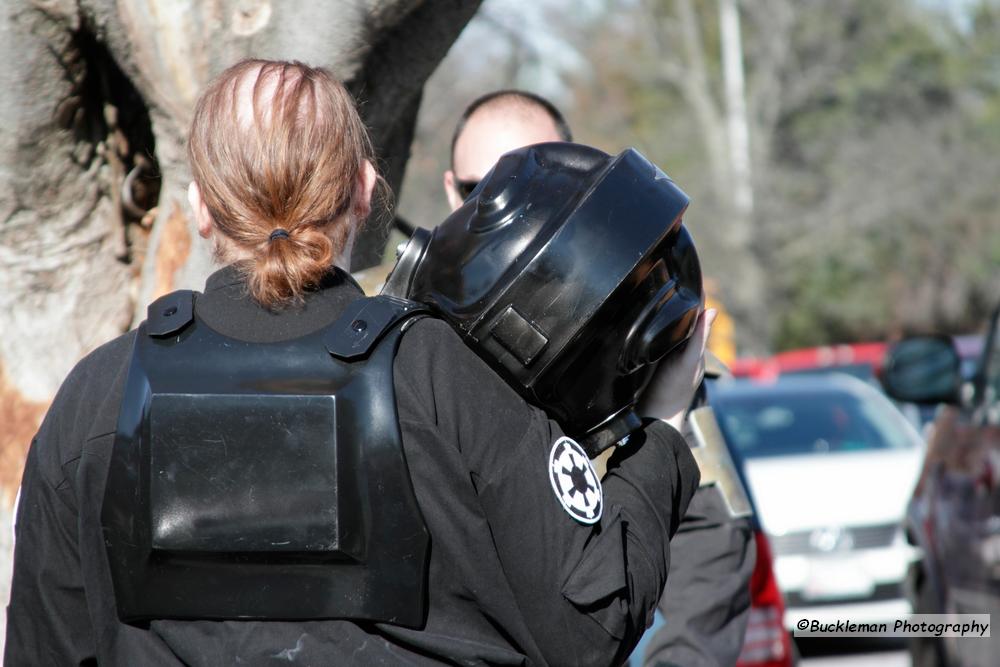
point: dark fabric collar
(226, 306)
(224, 277)
(231, 275)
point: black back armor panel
(264, 480)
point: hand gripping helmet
(569, 272)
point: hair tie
(278, 233)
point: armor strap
(365, 321)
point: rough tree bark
(97, 95)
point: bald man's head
(493, 125)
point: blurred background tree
(873, 134)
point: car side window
(992, 361)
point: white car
(831, 463)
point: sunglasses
(465, 188)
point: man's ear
(201, 215)
(451, 191)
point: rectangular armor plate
(251, 474)
(519, 336)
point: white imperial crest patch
(574, 481)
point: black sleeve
(707, 599)
(587, 591)
(47, 619)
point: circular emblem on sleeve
(574, 481)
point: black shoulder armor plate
(170, 313)
(265, 480)
(364, 321)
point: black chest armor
(264, 480)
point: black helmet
(569, 272)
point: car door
(966, 502)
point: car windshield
(861, 371)
(774, 423)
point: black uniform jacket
(706, 604)
(513, 579)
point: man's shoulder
(85, 405)
(89, 397)
(431, 333)
(428, 346)
(435, 367)
(101, 366)
(431, 346)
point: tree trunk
(97, 96)
(685, 64)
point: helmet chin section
(611, 432)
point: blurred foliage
(882, 188)
(875, 129)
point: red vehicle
(862, 360)
(767, 643)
